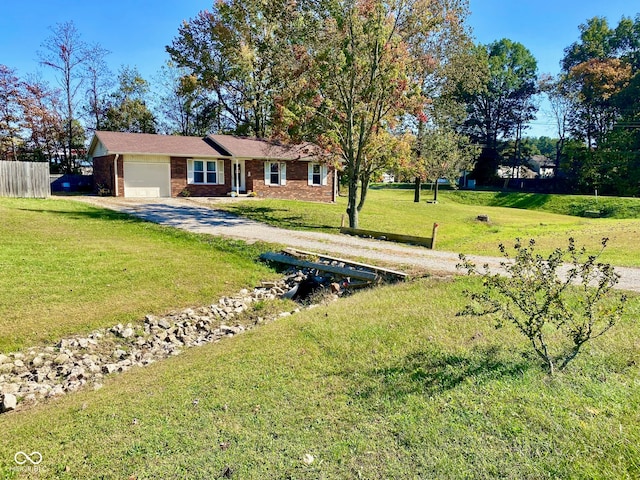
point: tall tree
(99, 82)
(363, 75)
(596, 42)
(128, 110)
(598, 67)
(596, 81)
(600, 70)
(503, 105)
(10, 115)
(66, 53)
(558, 91)
(43, 124)
(241, 51)
(626, 41)
(185, 107)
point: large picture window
(209, 172)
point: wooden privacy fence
(24, 179)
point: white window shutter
(189, 171)
(267, 172)
(324, 173)
(283, 173)
(310, 174)
(220, 175)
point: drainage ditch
(39, 373)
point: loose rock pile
(74, 363)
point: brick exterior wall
(179, 181)
(103, 174)
(297, 187)
(120, 176)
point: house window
(316, 177)
(275, 173)
(317, 174)
(205, 172)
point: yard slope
(403, 389)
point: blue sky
(546, 28)
(136, 31)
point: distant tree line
(381, 84)
(594, 102)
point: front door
(238, 176)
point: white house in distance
(149, 165)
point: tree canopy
(502, 105)
(128, 111)
(361, 78)
(601, 78)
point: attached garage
(147, 179)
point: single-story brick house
(148, 165)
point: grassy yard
(511, 216)
(402, 390)
(576, 205)
(68, 268)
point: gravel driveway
(199, 215)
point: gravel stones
(51, 371)
(9, 402)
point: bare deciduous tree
(66, 53)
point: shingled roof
(210, 146)
(151, 144)
(244, 147)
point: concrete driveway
(199, 215)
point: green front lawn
(68, 267)
(511, 216)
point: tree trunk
(435, 192)
(416, 189)
(364, 189)
(352, 211)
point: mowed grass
(403, 389)
(68, 268)
(576, 205)
(393, 210)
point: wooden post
(434, 235)
(342, 223)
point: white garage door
(147, 180)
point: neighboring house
(544, 166)
(388, 177)
(148, 165)
(508, 171)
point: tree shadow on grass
(93, 213)
(275, 217)
(433, 373)
(527, 201)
